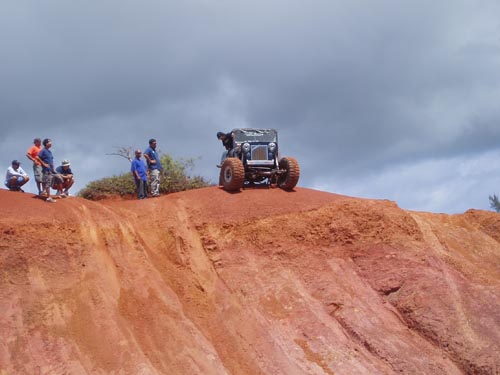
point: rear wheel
(232, 174)
(289, 179)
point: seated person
(16, 177)
(66, 180)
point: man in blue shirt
(46, 158)
(64, 170)
(154, 166)
(140, 172)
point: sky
(384, 99)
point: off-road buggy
(255, 159)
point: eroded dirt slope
(259, 282)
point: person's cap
(65, 163)
(219, 134)
(16, 162)
(152, 140)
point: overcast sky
(382, 99)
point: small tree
(124, 152)
(495, 203)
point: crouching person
(16, 177)
(65, 172)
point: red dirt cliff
(259, 282)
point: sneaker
(51, 200)
(219, 165)
(66, 192)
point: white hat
(65, 163)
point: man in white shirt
(16, 177)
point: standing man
(154, 166)
(16, 177)
(37, 166)
(46, 159)
(140, 172)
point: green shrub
(174, 178)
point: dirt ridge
(257, 282)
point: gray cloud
(356, 89)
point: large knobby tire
(232, 174)
(288, 180)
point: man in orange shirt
(37, 166)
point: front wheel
(232, 174)
(289, 179)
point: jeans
(142, 187)
(223, 157)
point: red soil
(258, 282)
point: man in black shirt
(227, 142)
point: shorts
(47, 179)
(37, 172)
(19, 181)
(51, 180)
(57, 179)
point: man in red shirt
(37, 166)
